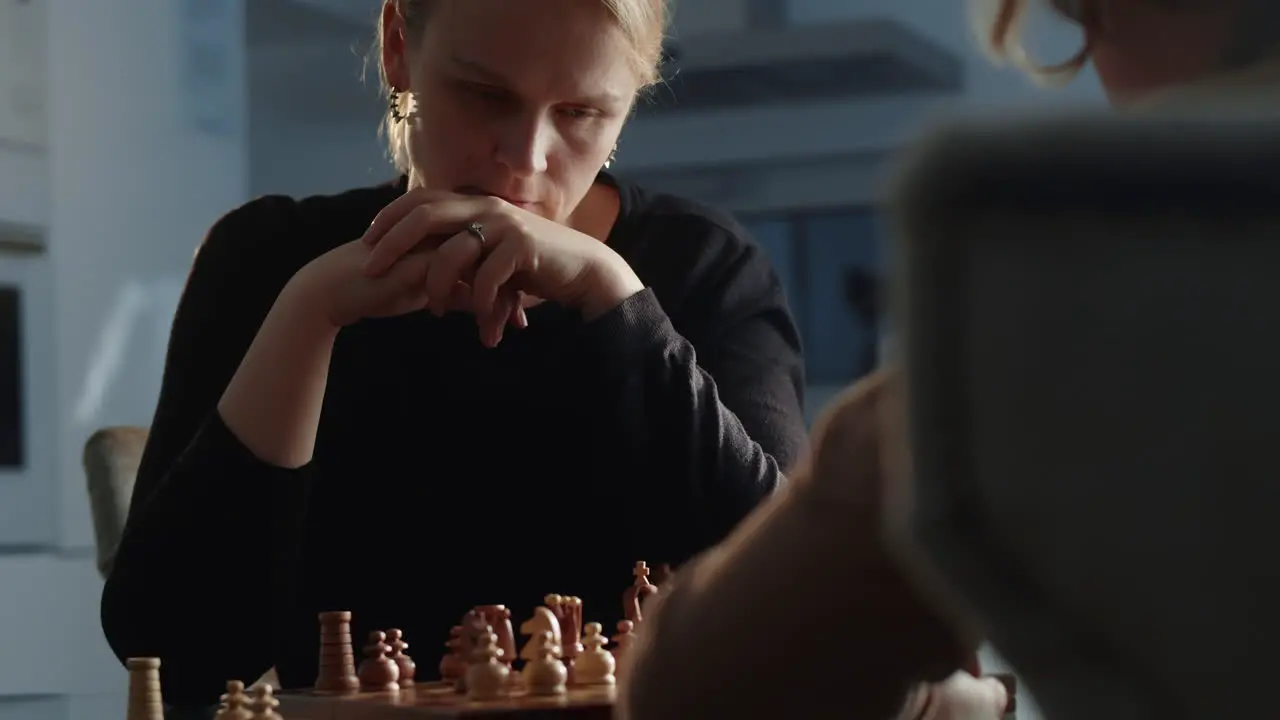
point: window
(830, 263)
(28, 418)
(12, 442)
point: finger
(521, 319)
(397, 209)
(438, 219)
(402, 289)
(453, 261)
(493, 323)
(503, 262)
(459, 299)
(964, 697)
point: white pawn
(235, 703)
(595, 665)
(486, 676)
(265, 704)
(545, 674)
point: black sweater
(445, 474)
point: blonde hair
(999, 23)
(643, 24)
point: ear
(395, 61)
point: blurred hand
(959, 697)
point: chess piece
(543, 621)
(145, 701)
(265, 704)
(499, 618)
(337, 659)
(235, 703)
(378, 672)
(622, 641)
(487, 675)
(453, 665)
(568, 612)
(545, 674)
(595, 665)
(637, 593)
(473, 627)
(395, 638)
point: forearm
(216, 503)
(273, 401)
(794, 581)
(690, 459)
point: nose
(523, 145)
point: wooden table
(439, 701)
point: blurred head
(515, 98)
(1143, 46)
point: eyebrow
(489, 75)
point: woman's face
(1141, 47)
(519, 99)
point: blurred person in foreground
(817, 606)
(505, 373)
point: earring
(613, 157)
(394, 106)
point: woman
(505, 375)
(806, 611)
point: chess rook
(337, 659)
(145, 699)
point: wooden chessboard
(439, 701)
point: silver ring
(476, 231)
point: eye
(579, 113)
(486, 92)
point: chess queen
(503, 372)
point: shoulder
(288, 231)
(684, 249)
(848, 431)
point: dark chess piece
(378, 672)
(395, 638)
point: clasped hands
(418, 254)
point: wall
(132, 169)
(950, 23)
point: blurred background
(128, 126)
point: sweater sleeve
(205, 511)
(800, 612)
(714, 418)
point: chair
(1089, 315)
(111, 458)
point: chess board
(439, 701)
